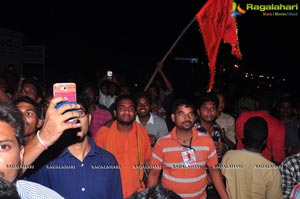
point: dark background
(84, 40)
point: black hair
(143, 94)
(255, 132)
(36, 84)
(125, 97)
(182, 102)
(84, 101)
(156, 88)
(90, 85)
(29, 100)
(265, 101)
(11, 115)
(208, 97)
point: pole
(169, 51)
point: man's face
(153, 93)
(31, 120)
(208, 112)
(125, 112)
(143, 107)
(183, 118)
(286, 109)
(221, 102)
(30, 91)
(11, 155)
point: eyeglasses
(81, 112)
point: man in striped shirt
(183, 155)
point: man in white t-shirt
(155, 125)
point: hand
(152, 139)
(55, 120)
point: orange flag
(216, 24)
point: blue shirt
(98, 176)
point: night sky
(83, 40)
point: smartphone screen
(67, 90)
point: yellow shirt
(250, 175)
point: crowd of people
(146, 144)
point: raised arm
(53, 127)
(166, 80)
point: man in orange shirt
(183, 155)
(129, 143)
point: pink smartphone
(65, 90)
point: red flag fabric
(230, 36)
(216, 24)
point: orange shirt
(126, 153)
(188, 181)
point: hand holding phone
(67, 90)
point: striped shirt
(188, 181)
(32, 190)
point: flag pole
(169, 51)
